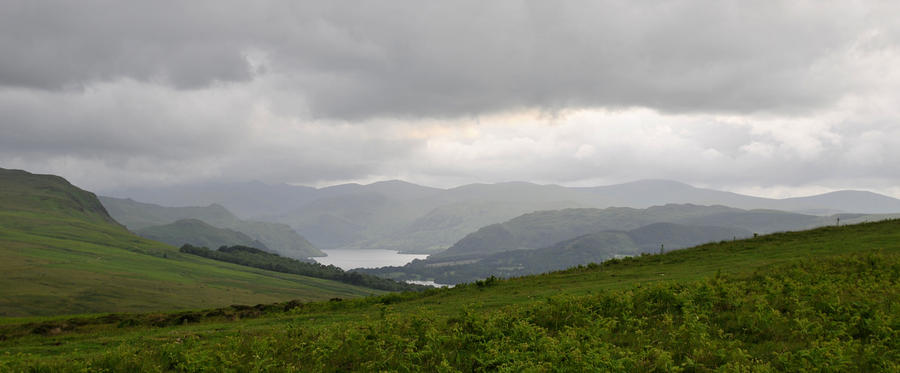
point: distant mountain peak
(667, 183)
(392, 182)
(851, 192)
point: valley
(449, 186)
(79, 282)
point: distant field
(828, 298)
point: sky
(767, 98)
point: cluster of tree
(252, 257)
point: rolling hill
(276, 237)
(587, 248)
(61, 253)
(818, 300)
(544, 228)
(198, 233)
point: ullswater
(348, 259)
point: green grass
(825, 299)
(60, 253)
(64, 270)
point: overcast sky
(767, 98)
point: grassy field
(60, 253)
(825, 299)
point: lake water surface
(349, 259)
(429, 283)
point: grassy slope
(198, 233)
(60, 253)
(343, 323)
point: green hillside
(544, 228)
(819, 300)
(138, 216)
(61, 253)
(676, 236)
(29, 195)
(196, 232)
(593, 247)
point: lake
(429, 283)
(353, 258)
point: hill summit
(26, 192)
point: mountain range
(418, 219)
(555, 239)
(588, 248)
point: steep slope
(278, 238)
(29, 194)
(196, 232)
(137, 215)
(60, 252)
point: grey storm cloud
(356, 60)
(725, 93)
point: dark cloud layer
(420, 58)
(724, 93)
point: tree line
(253, 257)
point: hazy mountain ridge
(543, 228)
(548, 240)
(198, 233)
(139, 216)
(413, 218)
(443, 226)
(587, 248)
